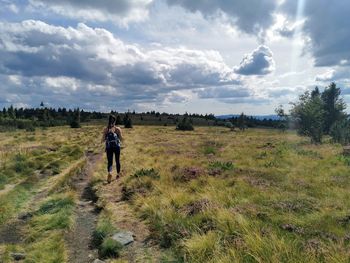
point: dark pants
(110, 152)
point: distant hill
(259, 117)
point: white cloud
(94, 65)
(259, 62)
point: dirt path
(79, 239)
(13, 231)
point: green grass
(41, 168)
(103, 230)
(110, 248)
(254, 196)
(209, 195)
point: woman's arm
(119, 132)
(103, 139)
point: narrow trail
(13, 230)
(78, 240)
(12, 233)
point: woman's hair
(111, 121)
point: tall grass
(257, 196)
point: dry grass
(210, 195)
(281, 199)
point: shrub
(128, 123)
(209, 150)
(340, 132)
(30, 128)
(147, 172)
(185, 125)
(225, 166)
(229, 125)
(110, 248)
(75, 123)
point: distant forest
(29, 118)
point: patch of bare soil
(12, 233)
(79, 240)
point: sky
(176, 56)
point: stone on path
(18, 256)
(124, 237)
(25, 216)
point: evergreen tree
(118, 120)
(242, 122)
(11, 113)
(315, 92)
(334, 106)
(75, 123)
(340, 131)
(128, 122)
(308, 114)
(283, 118)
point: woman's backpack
(112, 140)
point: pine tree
(11, 112)
(308, 114)
(242, 122)
(334, 106)
(75, 123)
(118, 120)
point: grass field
(210, 195)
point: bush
(30, 127)
(340, 132)
(128, 123)
(185, 125)
(229, 125)
(147, 172)
(225, 166)
(110, 248)
(74, 124)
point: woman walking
(112, 136)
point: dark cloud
(327, 25)
(259, 62)
(251, 16)
(93, 67)
(122, 11)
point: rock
(18, 256)
(25, 216)
(124, 238)
(98, 261)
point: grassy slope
(284, 201)
(41, 171)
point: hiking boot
(109, 178)
(118, 176)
